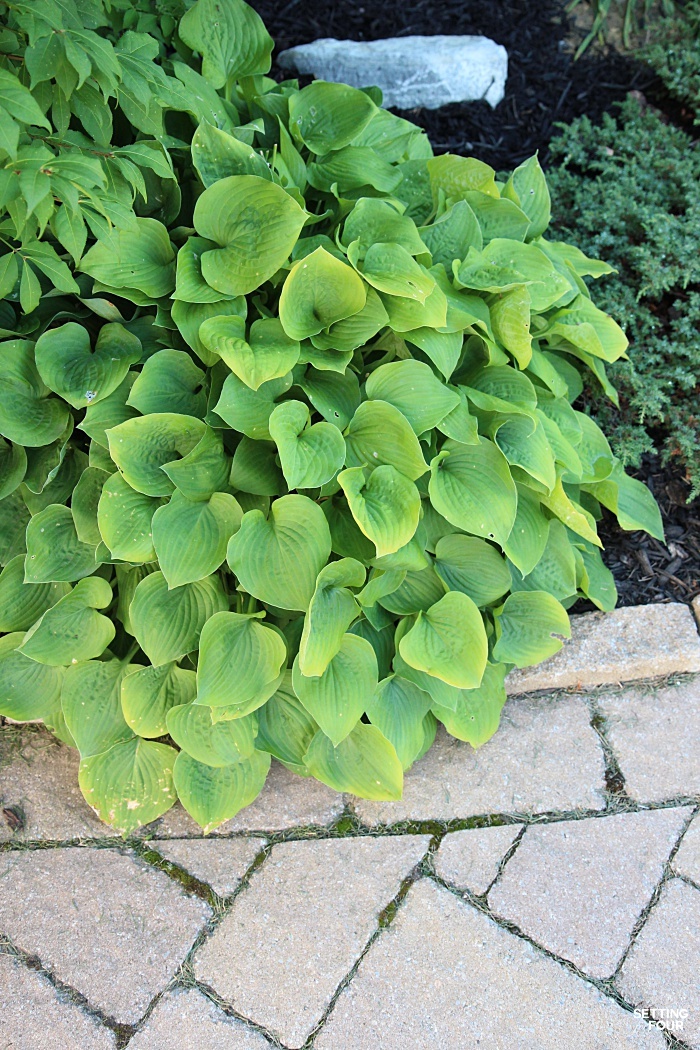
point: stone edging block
(628, 644)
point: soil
(545, 87)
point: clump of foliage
(289, 463)
(675, 55)
(627, 189)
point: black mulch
(544, 86)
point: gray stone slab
(545, 756)
(579, 886)
(444, 975)
(294, 933)
(187, 1020)
(103, 922)
(628, 644)
(655, 734)
(470, 859)
(428, 71)
(687, 860)
(662, 971)
(286, 801)
(39, 776)
(34, 1016)
(221, 863)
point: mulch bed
(545, 86)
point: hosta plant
(289, 463)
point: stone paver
(445, 976)
(641, 641)
(298, 928)
(221, 863)
(187, 1020)
(39, 776)
(578, 887)
(102, 922)
(470, 859)
(662, 970)
(687, 860)
(696, 608)
(655, 734)
(286, 801)
(33, 1016)
(545, 756)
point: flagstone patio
(541, 893)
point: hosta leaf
(374, 220)
(13, 466)
(528, 537)
(510, 317)
(364, 763)
(189, 317)
(212, 795)
(255, 222)
(448, 641)
(249, 411)
(167, 624)
(419, 589)
(91, 702)
(380, 434)
(398, 708)
(231, 38)
(525, 445)
(385, 506)
(353, 331)
(21, 604)
(631, 501)
(267, 354)
(214, 744)
(334, 396)
(310, 454)
(27, 415)
(327, 116)
(148, 693)
(255, 468)
(54, 552)
(72, 630)
(216, 155)
(528, 628)
(319, 291)
(240, 660)
(389, 268)
(140, 447)
(555, 572)
(332, 610)
(527, 186)
(124, 518)
(109, 412)
(190, 539)
(443, 694)
(80, 376)
(478, 712)
(456, 176)
(452, 235)
(28, 690)
(285, 727)
(169, 381)
(131, 784)
(472, 566)
(412, 388)
(471, 486)
(278, 559)
(336, 699)
(202, 472)
(141, 258)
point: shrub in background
(289, 463)
(627, 189)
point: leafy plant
(629, 10)
(627, 189)
(289, 460)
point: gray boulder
(411, 71)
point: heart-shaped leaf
(232, 40)
(167, 623)
(212, 795)
(255, 222)
(267, 354)
(73, 630)
(54, 552)
(337, 698)
(131, 784)
(332, 610)
(91, 702)
(214, 744)
(28, 416)
(190, 539)
(138, 259)
(319, 290)
(28, 689)
(328, 116)
(148, 693)
(240, 660)
(21, 604)
(124, 518)
(142, 446)
(380, 434)
(76, 373)
(169, 381)
(364, 763)
(285, 727)
(278, 559)
(448, 641)
(399, 708)
(310, 454)
(477, 713)
(471, 486)
(528, 626)
(386, 505)
(472, 566)
(412, 388)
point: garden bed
(545, 86)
